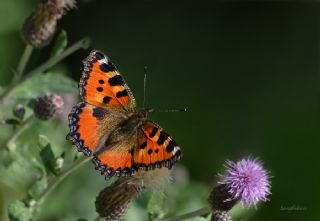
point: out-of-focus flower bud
(39, 28)
(45, 107)
(113, 202)
(19, 111)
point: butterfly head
(146, 111)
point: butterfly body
(107, 126)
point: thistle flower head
(247, 181)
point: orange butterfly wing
(107, 99)
(108, 102)
(102, 85)
(115, 162)
(155, 148)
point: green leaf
(12, 121)
(18, 211)
(43, 140)
(155, 205)
(48, 159)
(60, 44)
(38, 187)
(41, 84)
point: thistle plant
(35, 158)
(32, 162)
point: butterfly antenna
(144, 86)
(171, 110)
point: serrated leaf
(48, 159)
(155, 205)
(43, 140)
(41, 84)
(38, 187)
(60, 44)
(18, 211)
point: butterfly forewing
(102, 85)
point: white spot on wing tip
(103, 60)
(175, 149)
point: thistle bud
(221, 216)
(113, 202)
(39, 28)
(221, 199)
(19, 111)
(45, 107)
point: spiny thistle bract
(113, 202)
(221, 216)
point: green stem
(23, 62)
(20, 70)
(200, 212)
(25, 124)
(63, 174)
(83, 43)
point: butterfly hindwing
(101, 84)
(83, 128)
(155, 148)
(90, 126)
(115, 162)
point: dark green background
(247, 72)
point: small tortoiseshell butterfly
(107, 126)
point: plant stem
(196, 213)
(25, 124)
(20, 70)
(63, 174)
(23, 62)
(83, 43)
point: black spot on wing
(107, 67)
(116, 81)
(106, 99)
(153, 133)
(99, 55)
(100, 89)
(171, 146)
(99, 112)
(123, 93)
(150, 151)
(101, 81)
(143, 145)
(162, 138)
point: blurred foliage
(248, 73)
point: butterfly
(107, 126)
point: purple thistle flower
(247, 181)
